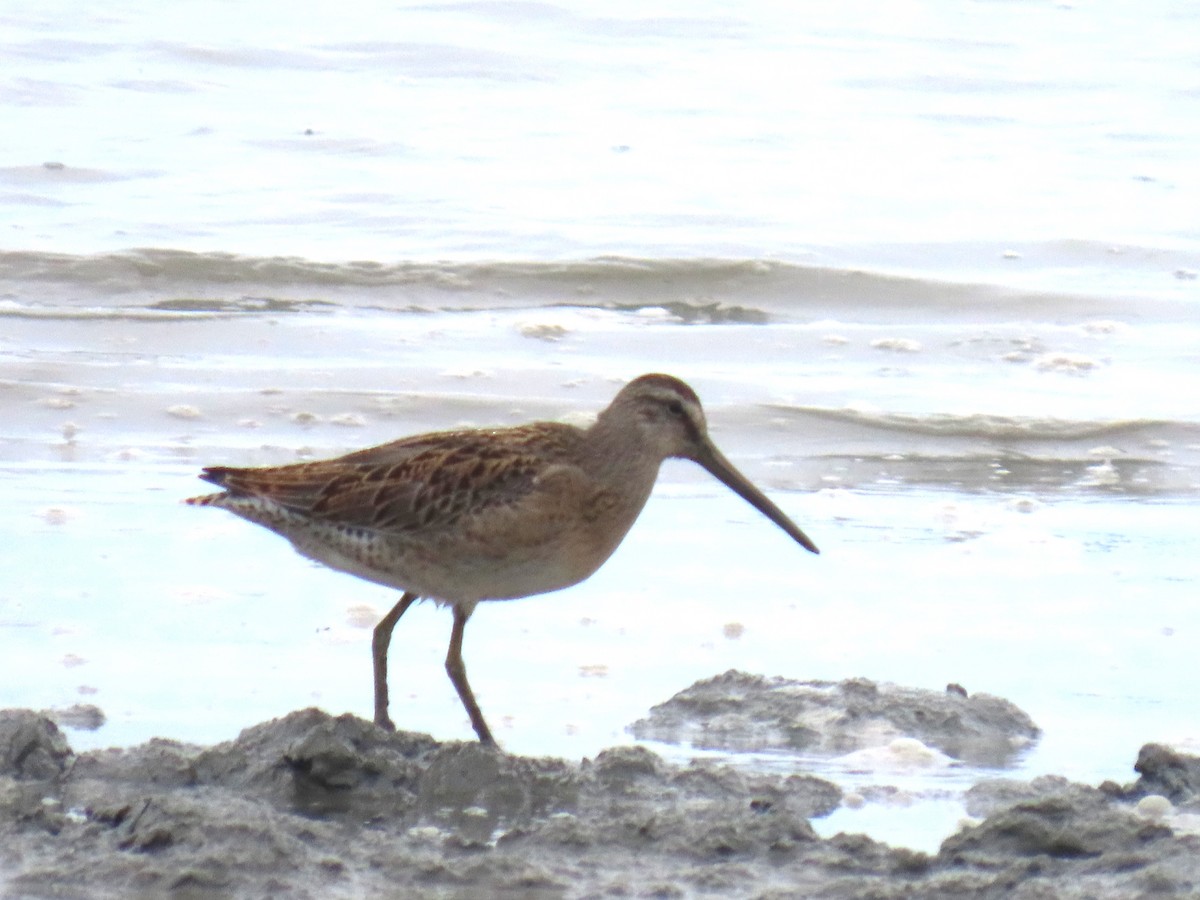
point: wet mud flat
(313, 805)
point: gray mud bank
(316, 806)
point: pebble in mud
(313, 806)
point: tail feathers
(216, 474)
(206, 500)
(284, 486)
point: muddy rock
(317, 806)
(995, 794)
(737, 711)
(319, 765)
(1168, 773)
(31, 746)
(1078, 823)
(1073, 844)
(312, 805)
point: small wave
(1129, 456)
(134, 269)
(701, 289)
(984, 426)
(191, 308)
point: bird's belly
(451, 570)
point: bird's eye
(675, 408)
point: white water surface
(390, 131)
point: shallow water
(991, 533)
(933, 276)
(556, 130)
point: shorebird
(459, 517)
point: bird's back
(458, 516)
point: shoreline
(313, 805)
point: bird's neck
(617, 452)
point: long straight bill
(715, 462)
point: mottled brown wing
(422, 482)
